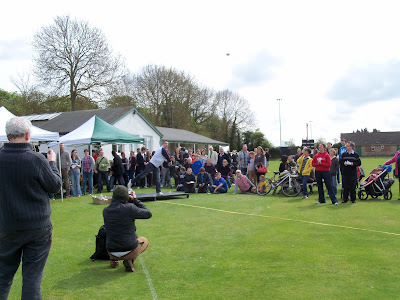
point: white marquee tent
(37, 134)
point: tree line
(75, 69)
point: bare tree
(74, 58)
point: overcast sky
(336, 64)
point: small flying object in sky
(228, 54)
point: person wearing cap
(119, 219)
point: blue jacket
(218, 182)
(196, 167)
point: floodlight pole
(310, 129)
(280, 123)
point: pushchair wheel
(388, 195)
(374, 196)
(362, 195)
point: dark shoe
(344, 201)
(353, 201)
(128, 267)
(320, 202)
(114, 263)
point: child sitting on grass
(181, 180)
(190, 181)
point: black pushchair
(377, 184)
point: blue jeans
(244, 171)
(334, 184)
(118, 178)
(76, 183)
(319, 175)
(304, 181)
(33, 247)
(148, 169)
(89, 177)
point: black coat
(118, 168)
(119, 219)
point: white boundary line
(152, 289)
(281, 218)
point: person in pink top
(243, 183)
(322, 164)
(395, 159)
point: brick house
(374, 143)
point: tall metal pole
(310, 129)
(280, 123)
(307, 131)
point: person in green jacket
(101, 169)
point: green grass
(196, 253)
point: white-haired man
(26, 179)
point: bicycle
(288, 181)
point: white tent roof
(37, 134)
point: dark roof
(373, 138)
(70, 120)
(184, 136)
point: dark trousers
(349, 184)
(33, 247)
(100, 176)
(319, 175)
(202, 189)
(150, 168)
(189, 188)
(244, 171)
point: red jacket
(325, 161)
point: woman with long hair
(75, 174)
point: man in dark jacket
(140, 165)
(119, 219)
(349, 161)
(26, 179)
(221, 156)
(203, 181)
(117, 170)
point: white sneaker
(159, 194)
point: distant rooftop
(173, 135)
(373, 138)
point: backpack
(101, 251)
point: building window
(382, 147)
(147, 142)
(372, 148)
(117, 147)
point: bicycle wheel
(264, 187)
(292, 191)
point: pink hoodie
(392, 160)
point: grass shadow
(92, 274)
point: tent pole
(59, 165)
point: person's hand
(102, 165)
(51, 156)
(169, 164)
(95, 171)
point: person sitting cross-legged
(119, 218)
(203, 181)
(219, 185)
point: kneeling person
(203, 181)
(219, 185)
(190, 181)
(119, 219)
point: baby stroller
(376, 184)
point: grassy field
(202, 248)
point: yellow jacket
(308, 167)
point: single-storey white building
(128, 119)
